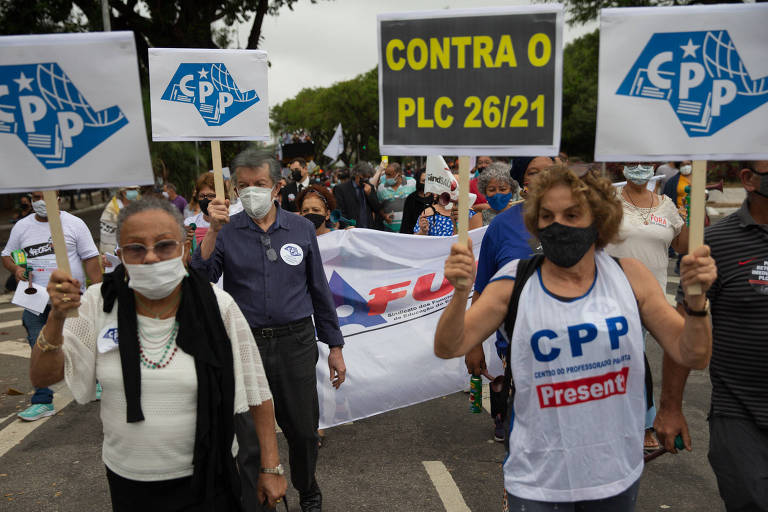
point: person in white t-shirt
(32, 234)
(576, 346)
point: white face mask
(257, 201)
(685, 170)
(155, 280)
(40, 209)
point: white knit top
(161, 446)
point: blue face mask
(638, 174)
(131, 194)
(390, 182)
(499, 201)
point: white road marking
(449, 493)
(671, 299)
(16, 431)
(18, 348)
(486, 397)
(5, 299)
(10, 309)
(10, 323)
(673, 279)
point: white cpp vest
(579, 404)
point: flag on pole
(336, 146)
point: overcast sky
(334, 40)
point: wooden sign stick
(57, 235)
(697, 212)
(218, 174)
(463, 221)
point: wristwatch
(701, 312)
(277, 470)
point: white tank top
(579, 403)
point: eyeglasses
(206, 196)
(267, 244)
(164, 250)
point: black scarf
(203, 336)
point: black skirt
(175, 495)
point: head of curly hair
(597, 194)
(317, 190)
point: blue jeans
(34, 324)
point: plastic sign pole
(696, 216)
(57, 235)
(218, 174)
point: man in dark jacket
(357, 199)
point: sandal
(650, 443)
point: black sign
(471, 83)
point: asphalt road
(434, 456)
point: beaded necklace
(149, 348)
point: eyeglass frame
(149, 248)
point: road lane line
(449, 493)
(11, 309)
(487, 397)
(5, 299)
(673, 279)
(16, 431)
(10, 323)
(18, 348)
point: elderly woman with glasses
(176, 359)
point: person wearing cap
(108, 221)
(524, 168)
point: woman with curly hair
(575, 359)
(499, 188)
(315, 203)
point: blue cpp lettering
(577, 340)
(544, 333)
(617, 327)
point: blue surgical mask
(638, 174)
(499, 201)
(390, 182)
(131, 194)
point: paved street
(434, 456)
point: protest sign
(389, 292)
(471, 81)
(208, 94)
(71, 115)
(679, 83)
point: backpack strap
(525, 269)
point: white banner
(680, 83)
(336, 146)
(208, 94)
(70, 112)
(389, 291)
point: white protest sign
(441, 181)
(70, 112)
(680, 83)
(389, 291)
(208, 94)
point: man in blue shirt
(272, 268)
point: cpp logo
(42, 107)
(211, 89)
(701, 75)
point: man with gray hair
(357, 199)
(275, 274)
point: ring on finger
(59, 286)
(66, 299)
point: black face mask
(316, 219)
(204, 205)
(420, 187)
(565, 245)
(296, 175)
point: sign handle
(218, 174)
(57, 235)
(463, 220)
(696, 216)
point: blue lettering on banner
(211, 89)
(42, 107)
(345, 295)
(702, 77)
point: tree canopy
(584, 11)
(580, 70)
(353, 103)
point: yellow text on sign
(460, 52)
(510, 111)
